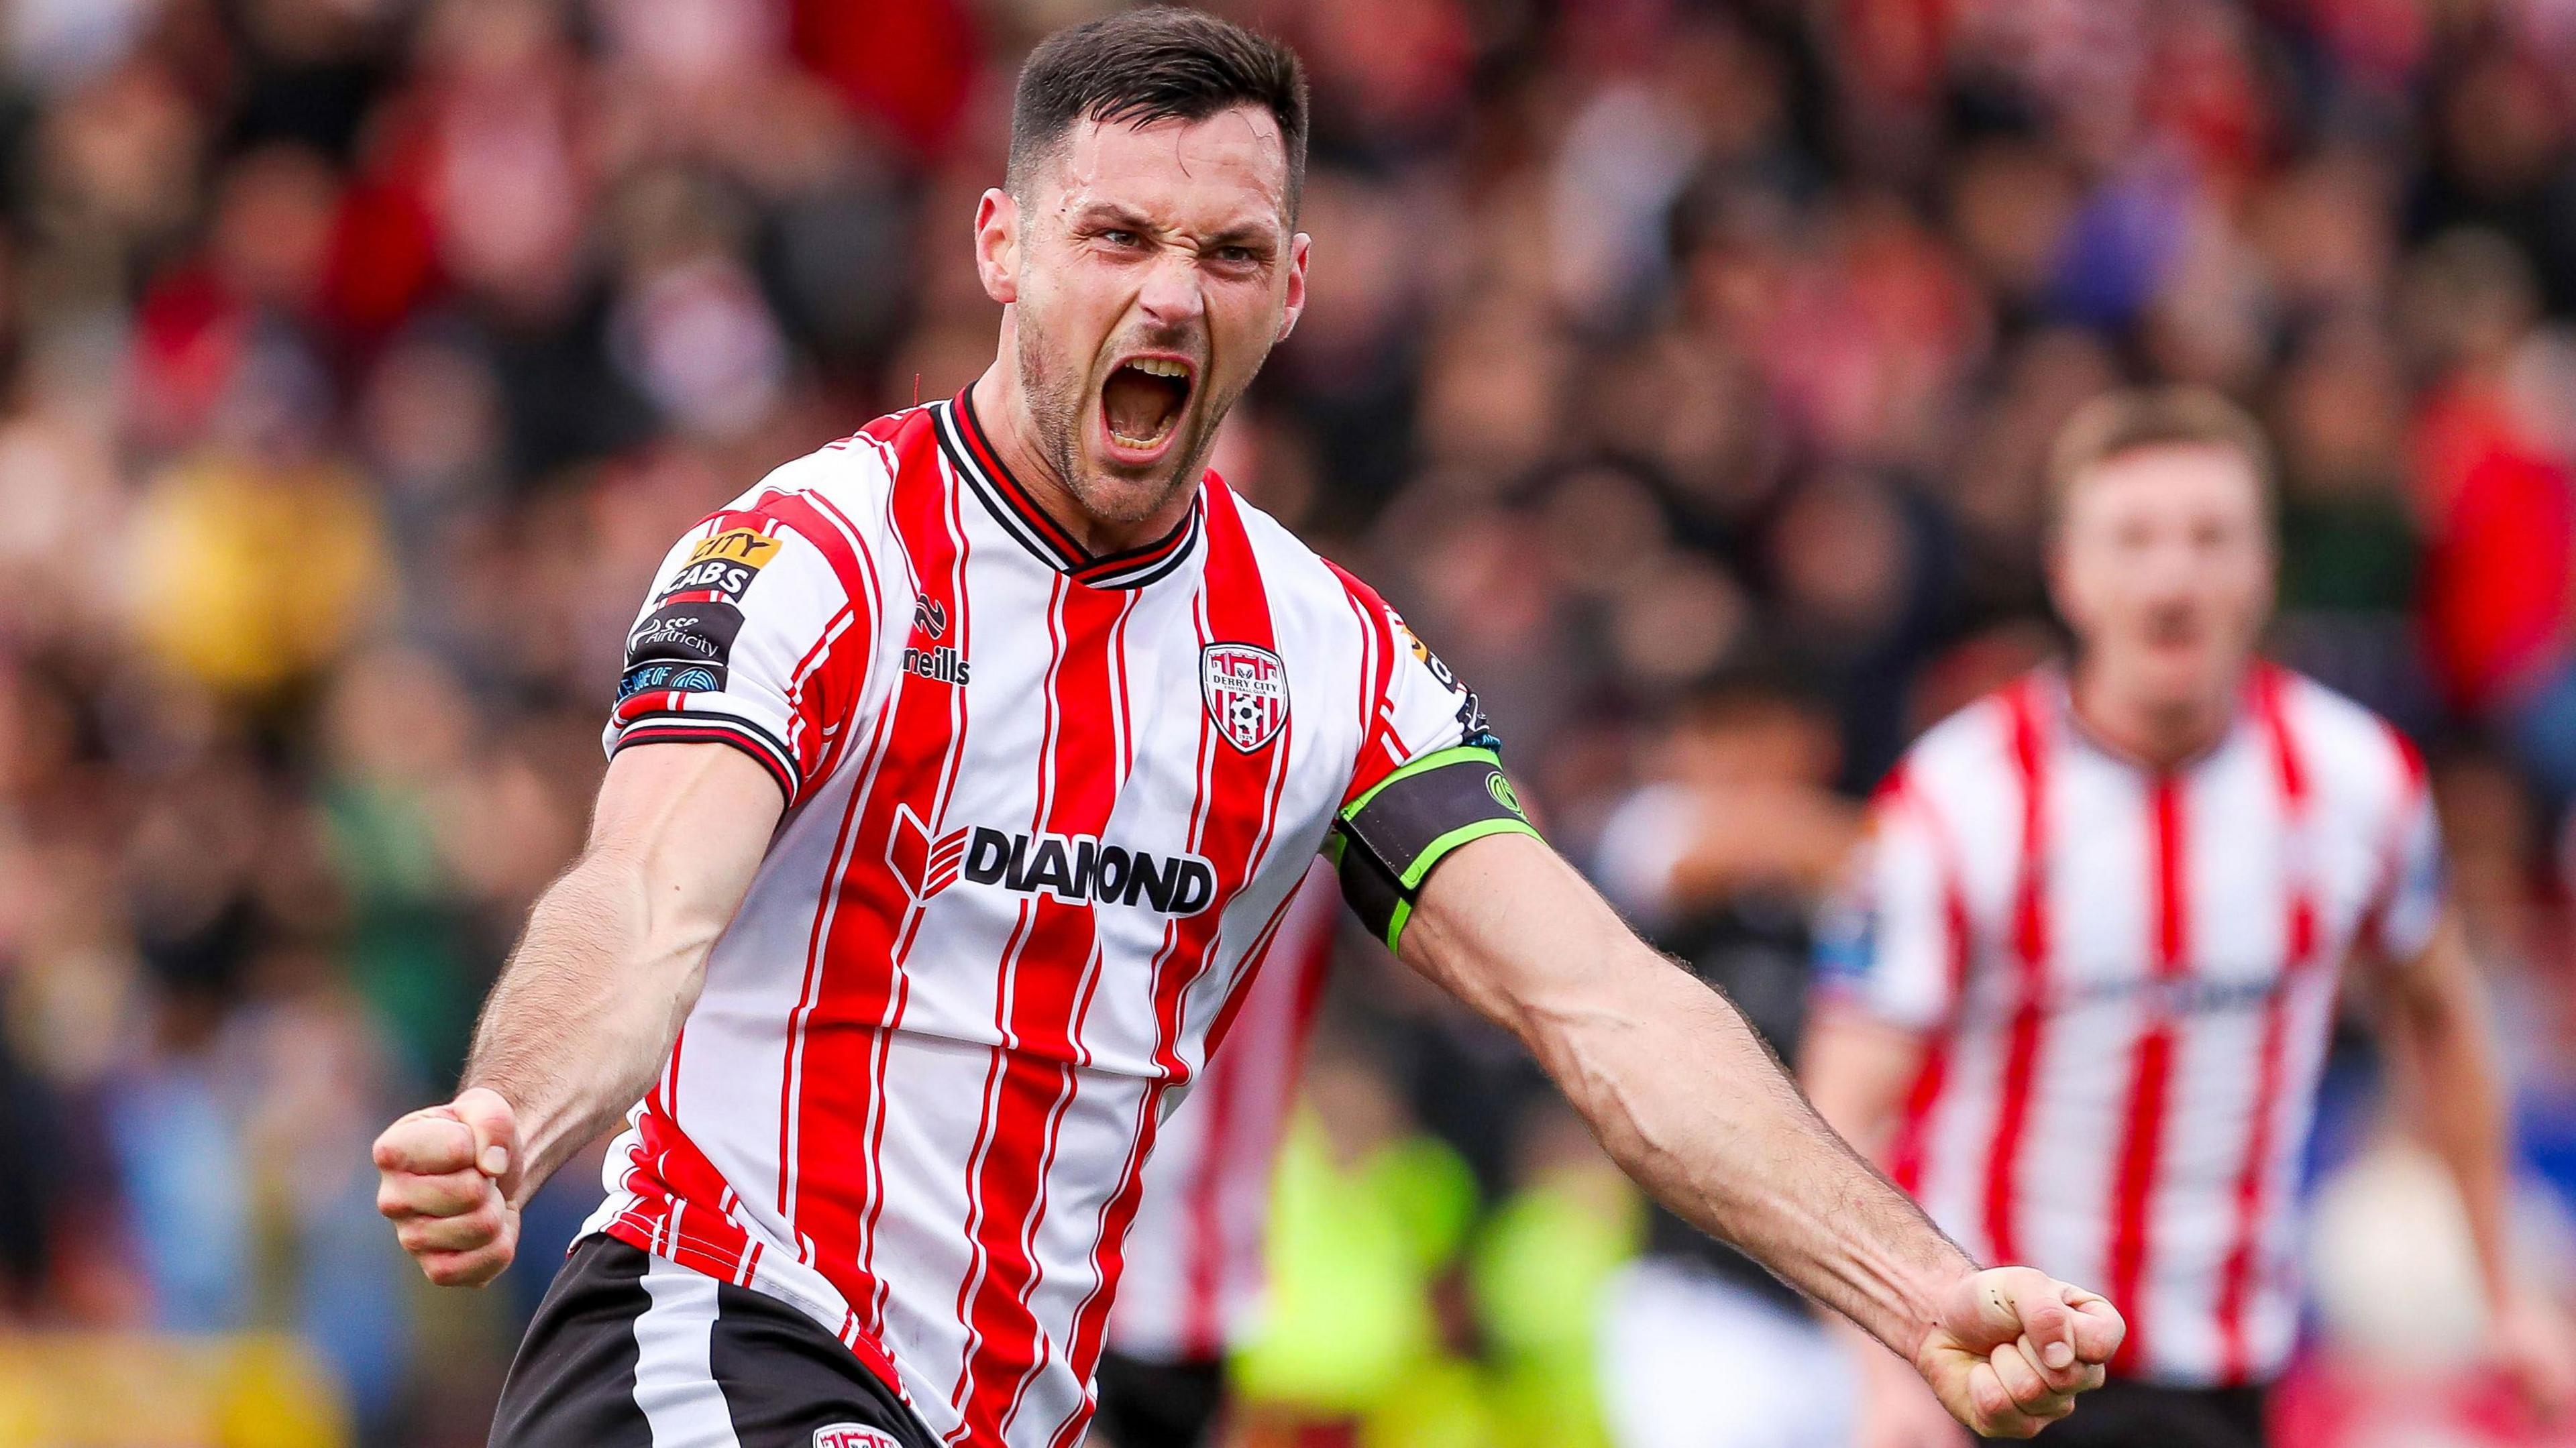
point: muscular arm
(586, 1010)
(616, 949)
(1692, 1105)
(1856, 1069)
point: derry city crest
(1246, 689)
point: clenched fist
(2013, 1346)
(449, 1175)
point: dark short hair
(2135, 418)
(1161, 62)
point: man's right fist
(449, 1174)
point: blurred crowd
(1680, 367)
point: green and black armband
(1387, 841)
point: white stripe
(673, 1383)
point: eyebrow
(1112, 213)
(1245, 234)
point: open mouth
(1143, 400)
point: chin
(1122, 498)
(2193, 681)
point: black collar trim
(961, 434)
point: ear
(2052, 558)
(997, 246)
(1296, 306)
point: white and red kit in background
(2126, 979)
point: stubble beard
(1054, 396)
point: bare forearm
(583, 1016)
(1695, 1107)
(2461, 1115)
(1688, 1100)
(615, 951)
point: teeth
(1159, 367)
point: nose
(1171, 299)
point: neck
(2155, 733)
(1009, 426)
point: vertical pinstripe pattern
(2131, 1115)
(921, 1082)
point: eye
(1240, 255)
(1120, 236)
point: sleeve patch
(685, 633)
(724, 565)
(677, 678)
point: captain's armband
(1386, 842)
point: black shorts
(2123, 1414)
(628, 1351)
(1155, 1404)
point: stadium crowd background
(1681, 369)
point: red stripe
(666, 1174)
(2150, 1075)
(1004, 1071)
(854, 983)
(2030, 946)
(1201, 1245)
(879, 433)
(1108, 1259)
(943, 504)
(1037, 1001)
(1230, 826)
(826, 688)
(1379, 754)
(2299, 936)
(1906, 1152)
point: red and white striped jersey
(1045, 815)
(1198, 1291)
(2127, 979)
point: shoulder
(853, 474)
(1302, 586)
(2353, 754)
(1968, 753)
(835, 498)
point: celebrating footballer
(963, 773)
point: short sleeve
(1421, 708)
(748, 638)
(1428, 778)
(1893, 940)
(2408, 907)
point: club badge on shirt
(854, 1435)
(1246, 688)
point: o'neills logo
(1080, 869)
(942, 665)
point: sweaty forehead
(1229, 169)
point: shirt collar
(971, 452)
